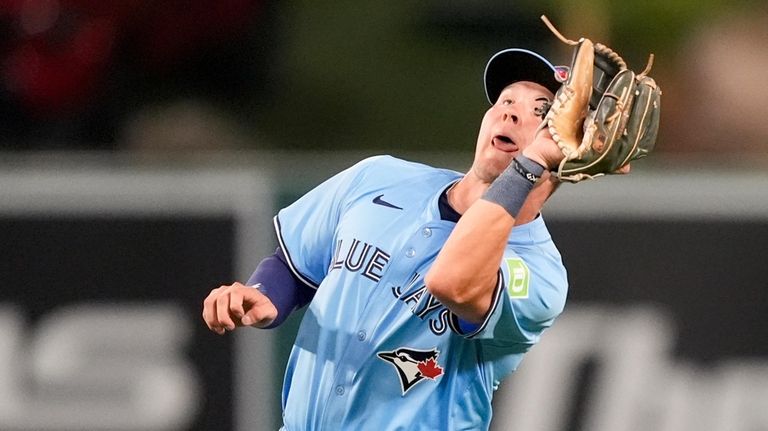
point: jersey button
(361, 335)
(339, 390)
(426, 232)
(410, 252)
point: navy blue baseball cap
(517, 64)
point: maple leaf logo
(430, 369)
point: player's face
(509, 126)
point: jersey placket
(362, 342)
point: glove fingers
(566, 116)
(622, 128)
(643, 125)
(607, 65)
(603, 138)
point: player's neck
(470, 188)
(465, 192)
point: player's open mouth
(504, 143)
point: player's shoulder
(384, 161)
(384, 166)
(537, 265)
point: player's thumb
(260, 315)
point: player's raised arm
(465, 274)
(513, 152)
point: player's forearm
(464, 275)
(543, 189)
(276, 281)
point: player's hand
(623, 170)
(229, 307)
(543, 150)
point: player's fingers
(215, 325)
(236, 309)
(218, 328)
(209, 311)
(258, 318)
(261, 314)
(222, 311)
(214, 322)
(623, 170)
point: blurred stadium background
(145, 145)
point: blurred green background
(190, 76)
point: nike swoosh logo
(379, 201)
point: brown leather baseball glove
(604, 115)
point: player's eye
(507, 102)
(543, 108)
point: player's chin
(500, 160)
(492, 169)
(491, 162)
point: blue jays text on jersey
(371, 267)
(355, 261)
(375, 350)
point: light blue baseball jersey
(375, 350)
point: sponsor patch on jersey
(413, 365)
(519, 278)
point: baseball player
(425, 287)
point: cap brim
(516, 64)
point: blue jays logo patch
(562, 73)
(413, 365)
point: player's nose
(511, 117)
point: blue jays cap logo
(561, 73)
(413, 365)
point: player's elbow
(448, 290)
(456, 300)
(437, 286)
(464, 299)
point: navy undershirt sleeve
(278, 283)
